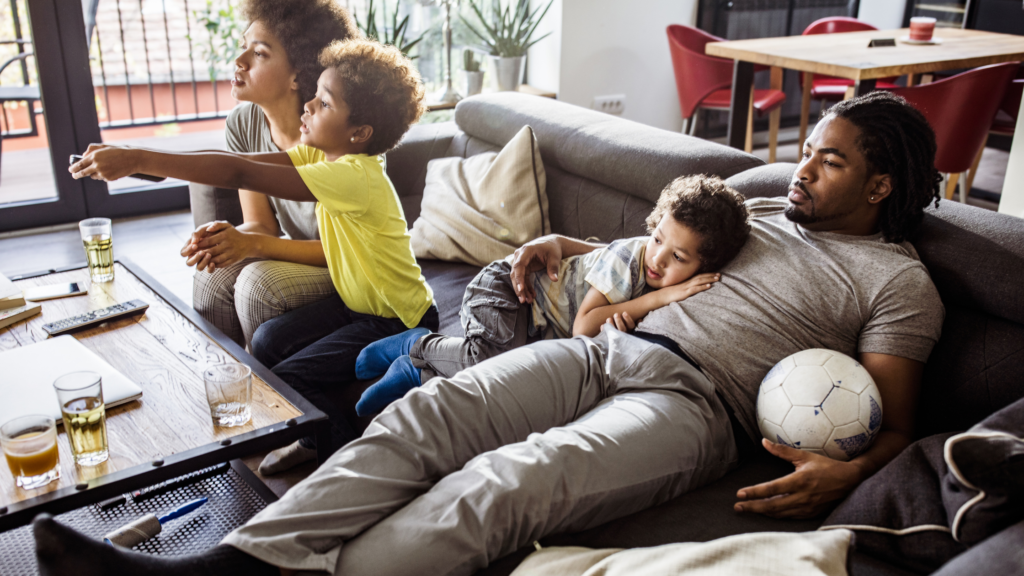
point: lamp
(450, 96)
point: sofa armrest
(210, 203)
(764, 181)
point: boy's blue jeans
(314, 349)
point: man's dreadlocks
(896, 140)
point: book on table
(10, 295)
(12, 315)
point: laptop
(27, 374)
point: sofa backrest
(588, 194)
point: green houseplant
(393, 34)
(508, 34)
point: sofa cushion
(481, 208)
(764, 181)
(983, 489)
(898, 513)
(999, 554)
(448, 280)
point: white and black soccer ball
(821, 401)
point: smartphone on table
(49, 292)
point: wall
(1012, 199)
(883, 14)
(606, 47)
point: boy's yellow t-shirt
(365, 235)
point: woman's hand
(218, 244)
(544, 252)
(105, 162)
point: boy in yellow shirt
(366, 99)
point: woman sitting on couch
(274, 261)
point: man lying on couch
(568, 434)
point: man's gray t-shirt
(791, 289)
(248, 132)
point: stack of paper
(10, 295)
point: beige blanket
(763, 553)
(480, 209)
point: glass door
(152, 73)
(36, 125)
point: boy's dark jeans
(314, 349)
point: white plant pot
(474, 82)
(508, 71)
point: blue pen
(148, 526)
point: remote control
(95, 317)
(75, 158)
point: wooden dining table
(848, 55)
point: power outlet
(612, 104)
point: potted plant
(393, 34)
(474, 76)
(508, 36)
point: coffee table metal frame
(312, 422)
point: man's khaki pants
(557, 436)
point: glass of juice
(229, 393)
(30, 446)
(99, 248)
(85, 417)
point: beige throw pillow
(480, 209)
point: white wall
(883, 14)
(1012, 199)
(608, 47)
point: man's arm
(271, 174)
(544, 252)
(819, 481)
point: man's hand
(544, 252)
(817, 482)
(217, 245)
(104, 162)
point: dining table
(862, 57)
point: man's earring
(872, 198)
(353, 139)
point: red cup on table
(922, 28)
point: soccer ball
(821, 401)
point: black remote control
(95, 317)
(150, 177)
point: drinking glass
(85, 416)
(229, 393)
(30, 446)
(99, 248)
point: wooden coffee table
(169, 431)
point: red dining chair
(830, 88)
(706, 82)
(960, 110)
(1004, 123)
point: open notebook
(27, 375)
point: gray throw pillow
(983, 489)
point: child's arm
(271, 174)
(596, 309)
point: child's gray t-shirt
(248, 132)
(616, 270)
(791, 289)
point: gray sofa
(603, 177)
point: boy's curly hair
(380, 86)
(714, 211)
(304, 28)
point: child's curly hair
(304, 28)
(380, 86)
(714, 211)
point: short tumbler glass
(30, 446)
(229, 393)
(85, 416)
